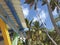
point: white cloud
(55, 12)
(43, 16)
(38, 9)
(35, 19)
(25, 11)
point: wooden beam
(5, 32)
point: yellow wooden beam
(5, 32)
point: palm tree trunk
(58, 8)
(51, 39)
(52, 18)
(46, 31)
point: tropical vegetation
(39, 34)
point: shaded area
(1, 38)
(10, 33)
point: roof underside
(18, 10)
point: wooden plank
(5, 32)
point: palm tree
(50, 37)
(28, 23)
(36, 25)
(52, 18)
(57, 19)
(37, 28)
(51, 7)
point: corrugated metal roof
(18, 9)
(2, 2)
(17, 6)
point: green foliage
(43, 39)
(27, 23)
(39, 37)
(36, 24)
(19, 42)
(29, 1)
(43, 2)
(14, 35)
(53, 4)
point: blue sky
(43, 12)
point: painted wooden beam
(5, 32)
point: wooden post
(5, 32)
